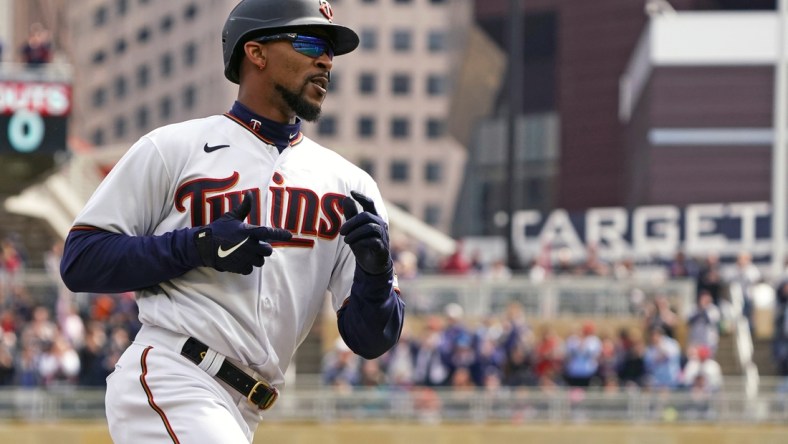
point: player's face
(301, 79)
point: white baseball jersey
(188, 174)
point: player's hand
(367, 234)
(230, 244)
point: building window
(143, 117)
(433, 172)
(399, 171)
(166, 24)
(400, 84)
(436, 85)
(402, 40)
(436, 128)
(366, 83)
(190, 12)
(400, 127)
(189, 97)
(143, 76)
(166, 65)
(100, 17)
(327, 126)
(190, 54)
(165, 108)
(367, 165)
(122, 7)
(437, 41)
(334, 83)
(404, 206)
(120, 46)
(99, 97)
(432, 214)
(120, 127)
(98, 137)
(120, 87)
(369, 39)
(99, 57)
(366, 127)
(143, 35)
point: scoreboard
(33, 116)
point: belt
(260, 393)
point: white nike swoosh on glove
(224, 253)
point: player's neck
(279, 134)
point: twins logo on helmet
(325, 8)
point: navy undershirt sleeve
(370, 321)
(99, 261)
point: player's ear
(256, 53)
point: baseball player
(231, 229)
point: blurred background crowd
(70, 339)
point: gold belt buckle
(269, 400)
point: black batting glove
(230, 244)
(367, 235)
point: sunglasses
(309, 46)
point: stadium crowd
(74, 339)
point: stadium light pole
(514, 107)
(780, 115)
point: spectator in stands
(370, 374)
(59, 363)
(37, 50)
(631, 365)
(659, 313)
(6, 365)
(582, 356)
(463, 358)
(340, 367)
(456, 263)
(702, 372)
(399, 361)
(780, 339)
(94, 364)
(593, 264)
(26, 372)
(498, 270)
(40, 331)
(431, 367)
(549, 357)
(662, 361)
(489, 361)
(518, 367)
(704, 324)
(745, 275)
(515, 328)
(710, 277)
(682, 266)
(12, 267)
(607, 374)
(455, 336)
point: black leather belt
(260, 393)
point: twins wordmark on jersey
(301, 211)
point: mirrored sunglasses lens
(308, 49)
(313, 49)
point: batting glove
(367, 235)
(230, 244)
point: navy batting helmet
(254, 18)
